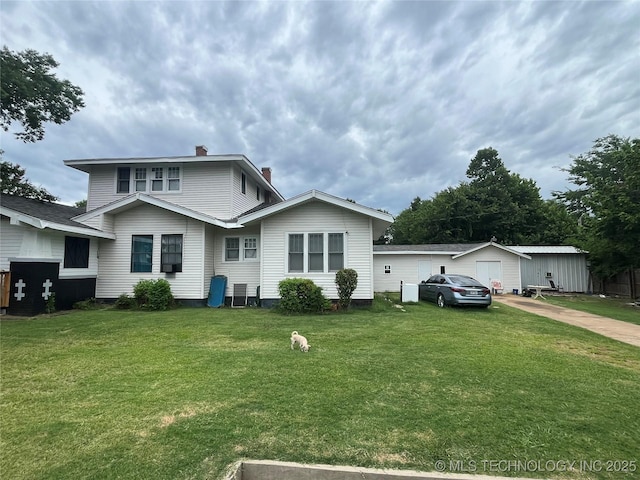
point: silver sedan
(448, 289)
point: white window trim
(241, 257)
(305, 253)
(149, 179)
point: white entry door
(424, 270)
(487, 271)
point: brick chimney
(266, 173)
(201, 151)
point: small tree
(347, 281)
(33, 95)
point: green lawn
(182, 394)
(618, 308)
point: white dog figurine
(300, 340)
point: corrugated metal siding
(569, 271)
(237, 272)
(115, 256)
(317, 217)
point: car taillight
(486, 291)
(458, 290)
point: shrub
(88, 304)
(153, 294)
(301, 295)
(125, 302)
(347, 281)
(50, 304)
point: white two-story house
(188, 219)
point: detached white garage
(486, 262)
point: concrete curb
(274, 470)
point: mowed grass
(182, 394)
(618, 308)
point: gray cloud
(379, 102)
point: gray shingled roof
(441, 247)
(48, 211)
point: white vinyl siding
(317, 217)
(212, 188)
(405, 267)
(115, 256)
(24, 242)
(247, 271)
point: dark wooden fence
(625, 284)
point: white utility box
(409, 292)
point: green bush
(153, 294)
(347, 281)
(301, 295)
(88, 304)
(125, 302)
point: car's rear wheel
(440, 301)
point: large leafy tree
(493, 203)
(607, 201)
(33, 95)
(13, 182)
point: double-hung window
(141, 179)
(336, 251)
(240, 249)
(157, 183)
(141, 253)
(171, 252)
(315, 252)
(156, 179)
(296, 252)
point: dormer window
(155, 179)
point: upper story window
(243, 182)
(155, 179)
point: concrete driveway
(622, 331)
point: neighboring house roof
(137, 199)
(46, 215)
(547, 249)
(381, 219)
(85, 165)
(456, 250)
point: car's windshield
(465, 281)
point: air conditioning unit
(168, 268)
(549, 275)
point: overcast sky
(379, 102)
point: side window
(76, 252)
(171, 252)
(141, 253)
(250, 248)
(243, 183)
(232, 249)
(123, 183)
(336, 252)
(296, 252)
(173, 178)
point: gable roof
(46, 215)
(456, 250)
(137, 199)
(381, 219)
(242, 161)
